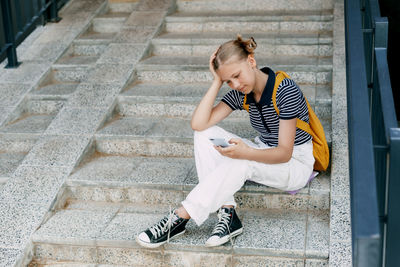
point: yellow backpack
(314, 128)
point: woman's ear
(252, 61)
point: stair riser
(45, 106)
(14, 144)
(145, 148)
(254, 5)
(70, 74)
(55, 89)
(290, 16)
(215, 40)
(123, 6)
(262, 49)
(131, 255)
(185, 111)
(154, 109)
(171, 140)
(108, 25)
(244, 199)
(251, 27)
(88, 50)
(301, 77)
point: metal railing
(374, 138)
(18, 18)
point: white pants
(221, 177)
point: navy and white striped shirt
(291, 104)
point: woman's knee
(208, 133)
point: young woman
(281, 156)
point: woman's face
(239, 74)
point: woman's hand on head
(211, 66)
(238, 149)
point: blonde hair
(238, 47)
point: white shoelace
(162, 226)
(223, 222)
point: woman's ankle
(182, 213)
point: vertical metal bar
(393, 221)
(19, 15)
(10, 38)
(54, 11)
(42, 3)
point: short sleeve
(290, 100)
(234, 99)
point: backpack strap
(245, 105)
(280, 76)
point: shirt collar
(268, 89)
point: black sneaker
(160, 233)
(228, 226)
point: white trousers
(221, 177)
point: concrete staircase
(137, 70)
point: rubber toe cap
(213, 241)
(144, 237)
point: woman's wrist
(217, 83)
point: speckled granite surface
(95, 141)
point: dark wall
(391, 9)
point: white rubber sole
(156, 245)
(224, 239)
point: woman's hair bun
(248, 45)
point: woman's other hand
(238, 149)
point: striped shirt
(291, 104)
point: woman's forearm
(270, 156)
(202, 114)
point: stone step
(251, 16)
(263, 49)
(55, 89)
(201, 62)
(88, 41)
(166, 107)
(248, 26)
(212, 38)
(159, 136)
(88, 48)
(116, 6)
(66, 73)
(83, 52)
(95, 37)
(56, 263)
(9, 163)
(106, 235)
(109, 23)
(28, 123)
(13, 149)
(165, 128)
(17, 143)
(75, 60)
(303, 75)
(166, 100)
(192, 92)
(255, 6)
(152, 180)
(145, 107)
(45, 104)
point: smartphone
(220, 142)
